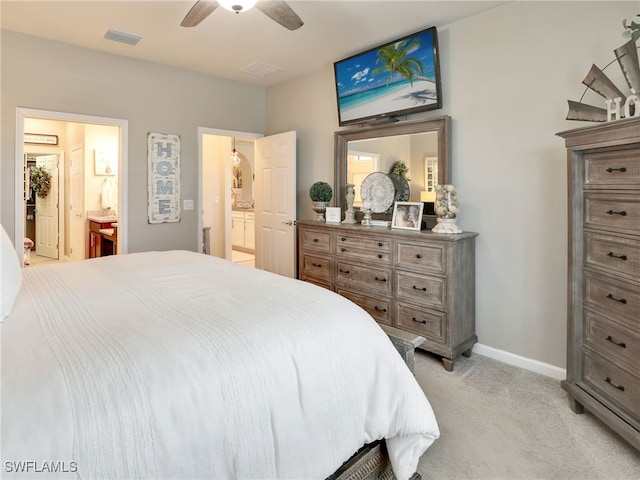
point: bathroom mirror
(242, 176)
(422, 145)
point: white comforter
(181, 365)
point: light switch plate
(188, 204)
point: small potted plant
(320, 193)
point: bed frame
(371, 462)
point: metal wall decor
(618, 105)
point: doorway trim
(123, 173)
(202, 131)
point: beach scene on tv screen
(391, 78)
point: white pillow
(10, 274)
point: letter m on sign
(164, 187)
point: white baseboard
(522, 362)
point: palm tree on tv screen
(394, 59)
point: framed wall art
(40, 139)
(407, 216)
(105, 162)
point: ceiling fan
(277, 10)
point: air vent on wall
(122, 37)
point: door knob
(290, 223)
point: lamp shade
(427, 196)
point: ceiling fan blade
(280, 12)
(201, 10)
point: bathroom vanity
(103, 236)
(243, 230)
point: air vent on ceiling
(122, 37)
(260, 69)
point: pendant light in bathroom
(235, 157)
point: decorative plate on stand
(378, 188)
(403, 191)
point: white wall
(507, 74)
(152, 97)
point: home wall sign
(618, 104)
(40, 139)
(164, 178)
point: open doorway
(84, 157)
(274, 197)
(228, 194)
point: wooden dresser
(603, 344)
(418, 282)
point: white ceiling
(226, 42)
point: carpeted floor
(502, 422)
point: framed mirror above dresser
(423, 145)
(415, 281)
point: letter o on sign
(164, 168)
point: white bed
(182, 365)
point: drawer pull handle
(621, 344)
(380, 255)
(316, 265)
(418, 256)
(613, 255)
(343, 239)
(619, 387)
(621, 169)
(384, 280)
(343, 249)
(621, 213)
(345, 271)
(380, 244)
(621, 300)
(377, 308)
(315, 240)
(424, 289)
(424, 322)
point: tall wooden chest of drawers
(418, 282)
(603, 344)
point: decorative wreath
(41, 181)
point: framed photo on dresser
(407, 215)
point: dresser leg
(575, 406)
(467, 353)
(447, 363)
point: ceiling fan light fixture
(237, 5)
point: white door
(77, 229)
(275, 188)
(47, 215)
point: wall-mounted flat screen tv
(397, 78)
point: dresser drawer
(378, 307)
(620, 168)
(316, 240)
(428, 323)
(613, 339)
(430, 258)
(618, 212)
(373, 257)
(619, 298)
(368, 278)
(371, 243)
(430, 291)
(316, 267)
(618, 254)
(613, 382)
